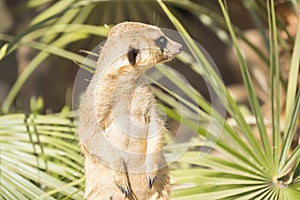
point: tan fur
(120, 131)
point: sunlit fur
(120, 130)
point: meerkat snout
(169, 45)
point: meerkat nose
(177, 49)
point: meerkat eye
(131, 55)
(161, 42)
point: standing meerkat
(120, 131)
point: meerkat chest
(131, 115)
(133, 100)
(141, 102)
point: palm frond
(245, 173)
(39, 158)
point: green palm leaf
(247, 173)
(39, 158)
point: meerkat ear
(131, 55)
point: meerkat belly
(130, 114)
(140, 118)
(125, 141)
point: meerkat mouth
(169, 56)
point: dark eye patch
(161, 42)
(131, 55)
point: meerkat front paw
(122, 183)
(151, 171)
(151, 176)
(120, 176)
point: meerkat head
(141, 45)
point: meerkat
(121, 133)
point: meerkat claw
(122, 183)
(150, 182)
(125, 190)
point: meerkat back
(121, 133)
